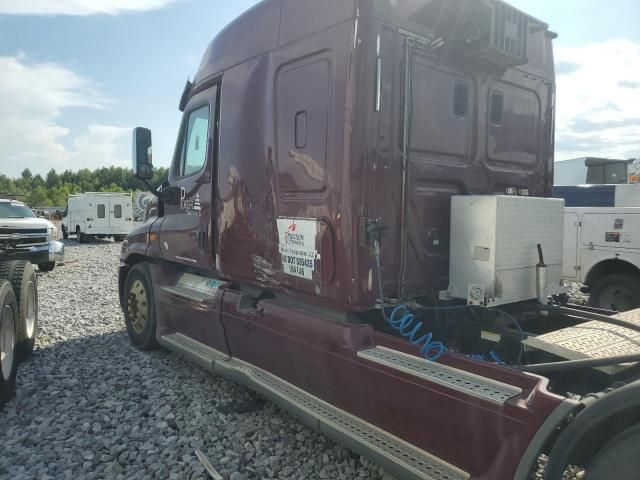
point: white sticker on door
(297, 244)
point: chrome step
(460, 380)
(398, 457)
(189, 293)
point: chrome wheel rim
(7, 342)
(138, 306)
(617, 298)
(30, 320)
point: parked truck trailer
(356, 224)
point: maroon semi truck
(356, 225)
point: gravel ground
(90, 406)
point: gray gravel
(91, 406)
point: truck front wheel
(139, 308)
(618, 459)
(618, 292)
(22, 278)
(8, 360)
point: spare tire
(23, 279)
(8, 334)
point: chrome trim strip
(188, 293)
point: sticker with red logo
(297, 245)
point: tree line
(54, 188)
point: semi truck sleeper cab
(356, 225)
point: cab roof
(265, 27)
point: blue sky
(77, 75)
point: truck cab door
(186, 234)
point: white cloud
(33, 97)
(599, 100)
(103, 146)
(78, 7)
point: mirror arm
(154, 191)
(170, 195)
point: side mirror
(142, 154)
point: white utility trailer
(98, 215)
(602, 250)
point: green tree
(54, 190)
(39, 197)
(53, 179)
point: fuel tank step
(465, 382)
(399, 458)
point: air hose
(404, 322)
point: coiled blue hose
(405, 323)
(409, 328)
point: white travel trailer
(98, 215)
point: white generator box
(494, 248)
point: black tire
(118, 238)
(619, 459)
(618, 292)
(22, 278)
(139, 308)
(8, 362)
(46, 267)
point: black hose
(571, 365)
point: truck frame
(302, 241)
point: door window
(117, 211)
(101, 211)
(194, 153)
